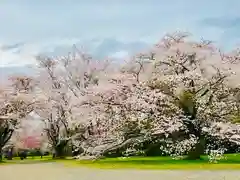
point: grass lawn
(232, 162)
(36, 159)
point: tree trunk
(1, 154)
(198, 150)
(59, 150)
(10, 154)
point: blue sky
(31, 27)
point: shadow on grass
(27, 161)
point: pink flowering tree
(63, 85)
(15, 104)
(174, 92)
(29, 142)
(203, 83)
(29, 135)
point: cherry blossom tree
(16, 103)
(63, 84)
(29, 142)
(200, 81)
(177, 91)
(176, 95)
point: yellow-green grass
(232, 162)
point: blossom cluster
(178, 93)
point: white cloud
(25, 54)
(10, 58)
(120, 55)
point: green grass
(232, 162)
(29, 160)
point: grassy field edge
(231, 162)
